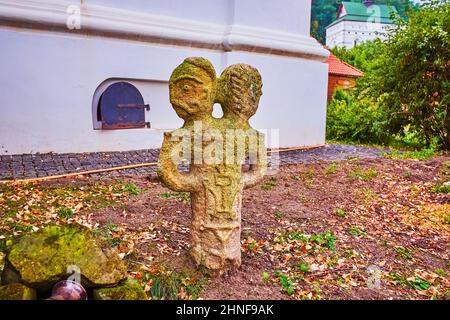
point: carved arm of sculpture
(168, 169)
(259, 170)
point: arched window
(121, 106)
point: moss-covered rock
(17, 291)
(42, 258)
(130, 290)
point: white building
(359, 22)
(58, 57)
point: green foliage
(419, 154)
(107, 237)
(304, 267)
(403, 98)
(64, 212)
(286, 282)
(441, 189)
(278, 214)
(356, 232)
(317, 241)
(265, 277)
(441, 272)
(332, 168)
(112, 227)
(368, 174)
(184, 196)
(404, 253)
(340, 213)
(326, 239)
(355, 121)
(447, 219)
(269, 185)
(361, 56)
(131, 189)
(410, 80)
(323, 12)
(172, 285)
(417, 283)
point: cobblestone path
(41, 165)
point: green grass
(331, 169)
(340, 213)
(447, 219)
(416, 155)
(303, 267)
(366, 193)
(168, 285)
(269, 185)
(356, 232)
(107, 237)
(185, 196)
(404, 253)
(308, 178)
(441, 272)
(19, 227)
(368, 174)
(131, 189)
(64, 212)
(112, 227)
(441, 189)
(265, 277)
(278, 214)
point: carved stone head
(240, 88)
(192, 88)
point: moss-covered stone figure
(129, 290)
(216, 180)
(42, 258)
(17, 291)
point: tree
(323, 12)
(410, 80)
(406, 81)
(361, 56)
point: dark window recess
(121, 106)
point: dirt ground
(393, 221)
(355, 229)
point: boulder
(42, 258)
(17, 291)
(130, 290)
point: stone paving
(41, 165)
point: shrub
(349, 120)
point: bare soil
(392, 220)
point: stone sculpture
(216, 150)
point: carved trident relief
(215, 183)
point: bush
(350, 120)
(403, 97)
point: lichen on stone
(17, 291)
(42, 258)
(129, 290)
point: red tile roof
(339, 67)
